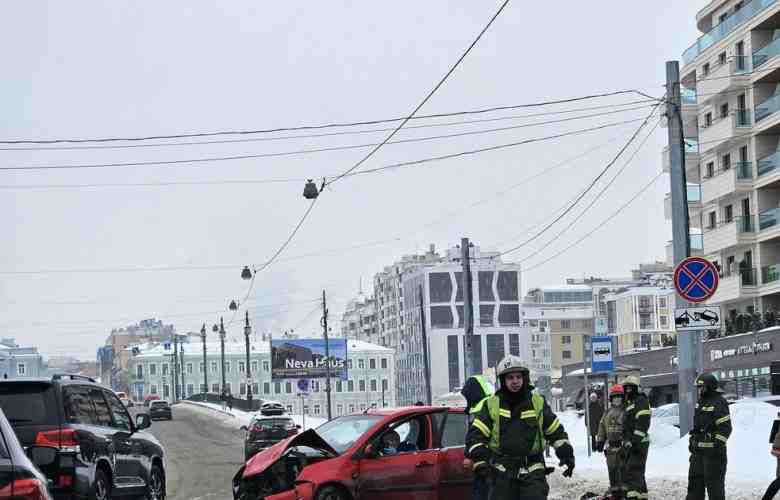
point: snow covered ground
(750, 466)
(239, 417)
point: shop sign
(753, 348)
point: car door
(132, 443)
(455, 481)
(116, 441)
(405, 475)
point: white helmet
(511, 364)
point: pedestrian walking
(774, 438)
(609, 441)
(476, 390)
(707, 443)
(595, 412)
(229, 398)
(636, 441)
(507, 437)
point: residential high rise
(641, 318)
(731, 118)
(360, 319)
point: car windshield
(270, 423)
(159, 403)
(341, 433)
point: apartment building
(731, 117)
(641, 318)
(359, 320)
(370, 371)
(558, 318)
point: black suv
(265, 431)
(103, 452)
(160, 409)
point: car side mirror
(244, 428)
(142, 421)
(42, 456)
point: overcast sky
(113, 69)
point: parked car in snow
(668, 414)
(343, 459)
(265, 431)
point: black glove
(482, 470)
(599, 447)
(565, 454)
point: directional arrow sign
(697, 318)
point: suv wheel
(156, 488)
(102, 486)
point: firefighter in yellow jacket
(636, 440)
(506, 439)
(609, 440)
(707, 444)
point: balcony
(723, 78)
(737, 179)
(721, 132)
(729, 234)
(767, 108)
(722, 30)
(694, 200)
(768, 219)
(736, 286)
(763, 55)
(691, 158)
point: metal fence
(241, 404)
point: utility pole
(205, 364)
(426, 363)
(247, 333)
(175, 368)
(327, 352)
(181, 365)
(222, 353)
(688, 342)
(468, 312)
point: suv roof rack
(60, 376)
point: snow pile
(750, 466)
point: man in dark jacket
(595, 412)
(508, 434)
(476, 389)
(636, 440)
(707, 444)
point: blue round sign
(303, 385)
(696, 279)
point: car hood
(263, 460)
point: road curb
(201, 405)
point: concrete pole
(327, 353)
(468, 312)
(688, 342)
(205, 364)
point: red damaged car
(396, 454)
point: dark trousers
(707, 472)
(615, 464)
(531, 487)
(774, 487)
(634, 477)
(480, 489)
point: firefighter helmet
(631, 380)
(512, 364)
(707, 380)
(616, 390)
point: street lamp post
(205, 365)
(247, 333)
(222, 351)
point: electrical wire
(593, 201)
(590, 186)
(598, 227)
(322, 126)
(340, 133)
(309, 151)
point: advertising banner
(305, 358)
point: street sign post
(695, 279)
(603, 361)
(697, 318)
(303, 385)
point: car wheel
(102, 488)
(156, 487)
(332, 492)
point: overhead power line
(339, 133)
(312, 150)
(321, 126)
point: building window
(565, 324)
(565, 339)
(266, 387)
(315, 385)
(384, 384)
(339, 386)
(441, 317)
(215, 388)
(241, 367)
(289, 408)
(316, 409)
(242, 388)
(728, 213)
(277, 387)
(372, 364)
(712, 220)
(203, 388)
(725, 162)
(509, 315)
(265, 366)
(440, 286)
(213, 367)
(495, 349)
(153, 369)
(722, 58)
(254, 366)
(645, 322)
(339, 409)
(514, 344)
(228, 388)
(662, 302)
(153, 390)
(255, 388)
(566, 354)
(664, 321)
(710, 169)
(139, 371)
(189, 368)
(352, 408)
(706, 69)
(384, 363)
(373, 385)
(486, 286)
(707, 119)
(362, 385)
(452, 361)
(227, 366)
(165, 369)
(21, 369)
(349, 364)
(486, 314)
(361, 364)
(288, 387)
(350, 385)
